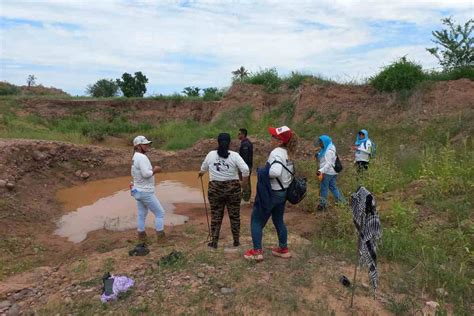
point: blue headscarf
(327, 141)
(359, 140)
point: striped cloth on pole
(367, 223)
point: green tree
(133, 86)
(457, 45)
(31, 80)
(191, 91)
(240, 74)
(103, 88)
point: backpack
(373, 149)
(296, 191)
(338, 165)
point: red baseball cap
(282, 133)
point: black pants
(362, 166)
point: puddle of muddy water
(108, 204)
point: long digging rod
(355, 270)
(207, 215)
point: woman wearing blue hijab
(363, 149)
(326, 173)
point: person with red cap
(271, 202)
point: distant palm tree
(240, 74)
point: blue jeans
(259, 220)
(148, 201)
(329, 182)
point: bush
(453, 74)
(212, 94)
(104, 88)
(400, 75)
(266, 77)
(295, 79)
(8, 89)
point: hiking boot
(321, 208)
(254, 254)
(160, 235)
(281, 252)
(212, 245)
(142, 237)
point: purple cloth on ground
(121, 284)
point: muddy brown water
(108, 204)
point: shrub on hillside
(8, 89)
(453, 74)
(212, 94)
(266, 77)
(400, 75)
(295, 79)
(103, 88)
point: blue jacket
(263, 200)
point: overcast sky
(70, 44)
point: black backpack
(338, 165)
(297, 189)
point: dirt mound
(311, 103)
(42, 90)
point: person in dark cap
(224, 187)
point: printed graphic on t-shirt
(221, 165)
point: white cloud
(117, 36)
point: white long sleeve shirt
(277, 171)
(224, 169)
(363, 151)
(327, 162)
(142, 173)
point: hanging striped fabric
(367, 223)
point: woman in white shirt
(363, 149)
(224, 187)
(326, 173)
(284, 143)
(143, 189)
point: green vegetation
(8, 89)
(400, 75)
(457, 45)
(133, 86)
(103, 88)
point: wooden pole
(355, 270)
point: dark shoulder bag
(337, 165)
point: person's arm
(145, 167)
(204, 166)
(242, 166)
(276, 168)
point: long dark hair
(223, 141)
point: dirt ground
(36, 269)
(40, 272)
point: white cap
(140, 140)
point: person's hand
(320, 175)
(201, 173)
(156, 169)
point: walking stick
(355, 269)
(207, 216)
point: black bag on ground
(338, 165)
(296, 192)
